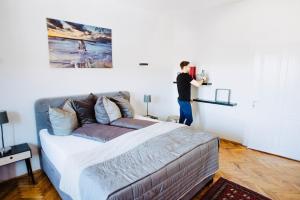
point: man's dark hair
(184, 63)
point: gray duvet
(184, 154)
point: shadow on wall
(34, 149)
(7, 172)
(14, 118)
(195, 109)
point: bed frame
(42, 122)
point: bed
(157, 164)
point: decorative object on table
(147, 100)
(18, 153)
(193, 72)
(225, 189)
(202, 75)
(73, 45)
(3, 120)
(152, 117)
(222, 95)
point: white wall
(222, 37)
(224, 40)
(25, 75)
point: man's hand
(198, 83)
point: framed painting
(73, 45)
(222, 95)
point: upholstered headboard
(41, 107)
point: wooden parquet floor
(275, 177)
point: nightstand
(18, 153)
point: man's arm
(197, 83)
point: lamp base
(5, 150)
(151, 116)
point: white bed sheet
(59, 148)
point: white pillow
(111, 109)
(63, 121)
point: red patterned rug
(226, 190)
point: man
(184, 82)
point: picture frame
(75, 45)
(223, 95)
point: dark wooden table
(18, 153)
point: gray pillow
(68, 106)
(124, 105)
(124, 95)
(100, 112)
(84, 109)
(63, 121)
(111, 109)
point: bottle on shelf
(202, 75)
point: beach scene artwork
(73, 45)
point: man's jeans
(186, 116)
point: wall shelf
(215, 102)
(202, 83)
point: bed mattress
(54, 177)
(173, 181)
(181, 179)
(58, 148)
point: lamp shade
(3, 117)
(147, 98)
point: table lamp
(3, 120)
(147, 99)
